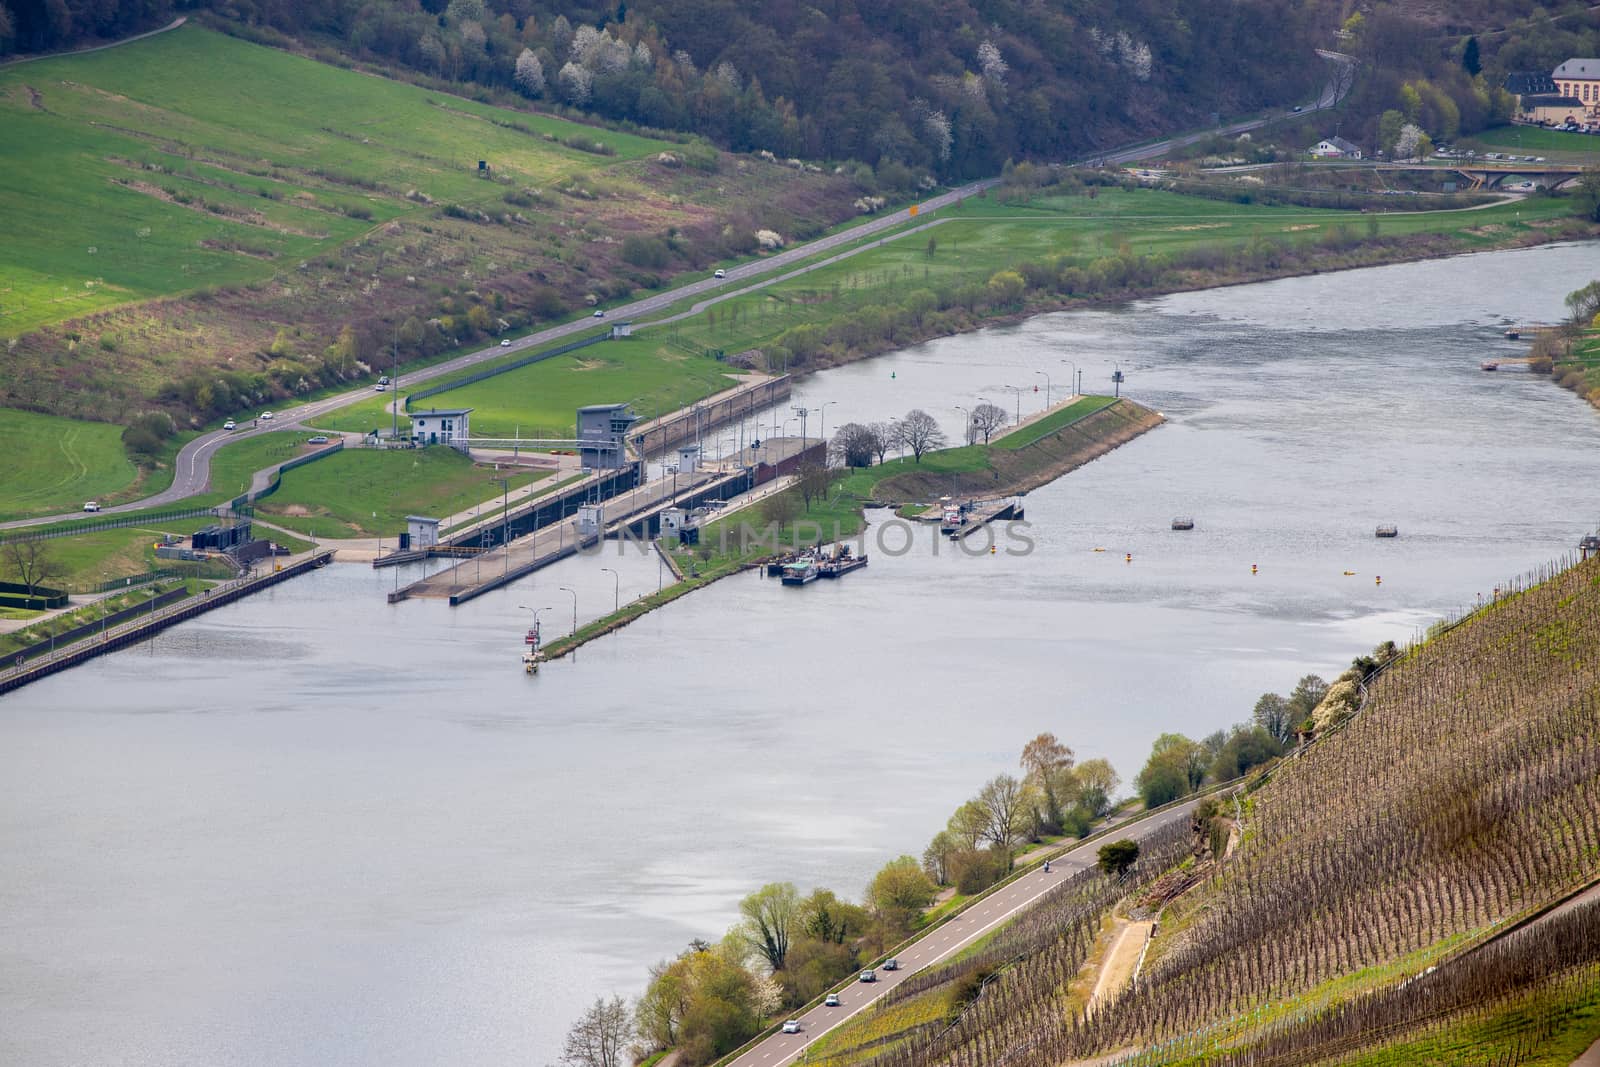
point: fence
(129, 580)
(502, 368)
(288, 465)
(140, 518)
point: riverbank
(1263, 259)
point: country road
(192, 466)
(946, 941)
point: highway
(945, 941)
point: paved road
(193, 463)
(945, 942)
(193, 473)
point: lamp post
(970, 421)
(1077, 385)
(574, 593)
(505, 521)
(1046, 387)
(1018, 390)
(823, 410)
(616, 589)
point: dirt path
(1590, 1058)
(1121, 960)
(174, 24)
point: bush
(973, 872)
(1118, 856)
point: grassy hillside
(55, 464)
(1463, 798)
(195, 163)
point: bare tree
(920, 432)
(601, 1035)
(813, 482)
(884, 437)
(854, 445)
(986, 419)
(33, 564)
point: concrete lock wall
(687, 426)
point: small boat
(1488, 364)
(530, 662)
(1183, 524)
(1387, 531)
(800, 572)
(1513, 334)
(952, 516)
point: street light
(1018, 390)
(616, 589)
(574, 593)
(1046, 386)
(1077, 384)
(823, 411)
(971, 422)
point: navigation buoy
(1377, 580)
(1128, 558)
(891, 374)
(1252, 568)
(991, 550)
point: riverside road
(947, 940)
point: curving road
(946, 941)
(192, 474)
(193, 464)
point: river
(314, 828)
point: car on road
(505, 344)
(891, 964)
(792, 1026)
(230, 424)
(381, 388)
(720, 273)
(868, 976)
(832, 1001)
(383, 380)
(1299, 107)
(599, 313)
(266, 416)
(317, 440)
(91, 506)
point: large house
(1580, 79)
(441, 426)
(1335, 148)
(1552, 110)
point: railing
(237, 507)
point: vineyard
(1365, 909)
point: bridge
(1488, 174)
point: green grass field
(542, 400)
(984, 236)
(233, 465)
(362, 492)
(1027, 435)
(1535, 140)
(54, 464)
(193, 159)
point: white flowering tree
(530, 74)
(992, 63)
(577, 83)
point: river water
(315, 828)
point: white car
(792, 1026)
(599, 314)
(91, 506)
(505, 344)
(266, 416)
(230, 424)
(720, 273)
(381, 388)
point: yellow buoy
(1128, 558)
(1377, 579)
(991, 550)
(1252, 568)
